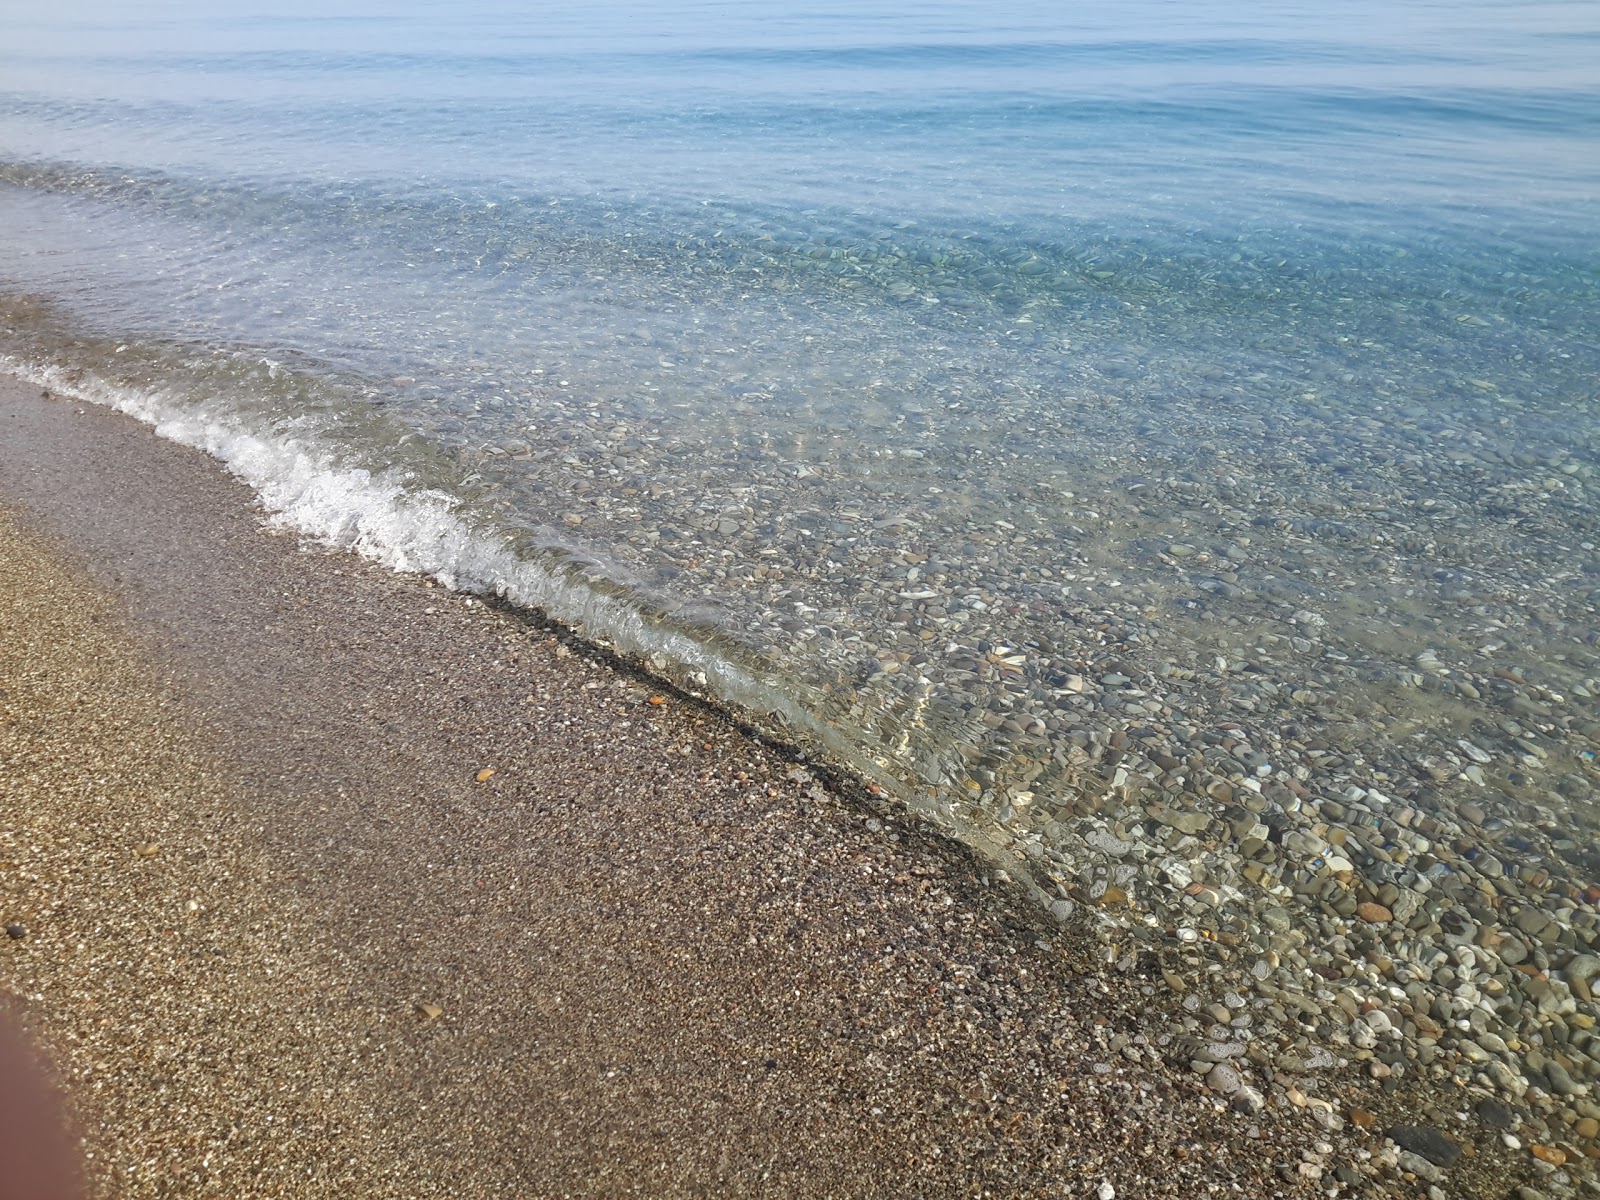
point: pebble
(1561, 1083)
(1248, 1100)
(1426, 1142)
(1224, 1079)
(1108, 843)
(1579, 972)
(1495, 1115)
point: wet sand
(284, 934)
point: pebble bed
(1258, 641)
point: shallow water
(1058, 417)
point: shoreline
(1408, 904)
(840, 993)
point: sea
(1051, 413)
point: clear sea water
(945, 380)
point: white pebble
(1107, 1192)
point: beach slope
(328, 881)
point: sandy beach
(327, 881)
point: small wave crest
(387, 519)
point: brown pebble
(432, 1011)
(1550, 1154)
(1112, 897)
(1376, 913)
(148, 850)
(1361, 1117)
(484, 775)
(1587, 1128)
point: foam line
(378, 516)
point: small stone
(1561, 1083)
(1588, 1128)
(1377, 914)
(1106, 1191)
(1579, 971)
(1223, 1078)
(1416, 1165)
(432, 1011)
(1495, 1115)
(148, 850)
(16, 932)
(484, 775)
(1553, 1155)
(1425, 1141)
(1113, 897)
(1362, 1118)
(1109, 843)
(1248, 1100)
(1531, 921)
(1277, 919)
(1192, 823)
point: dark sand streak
(666, 965)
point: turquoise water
(909, 372)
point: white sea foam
(377, 515)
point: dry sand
(281, 942)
